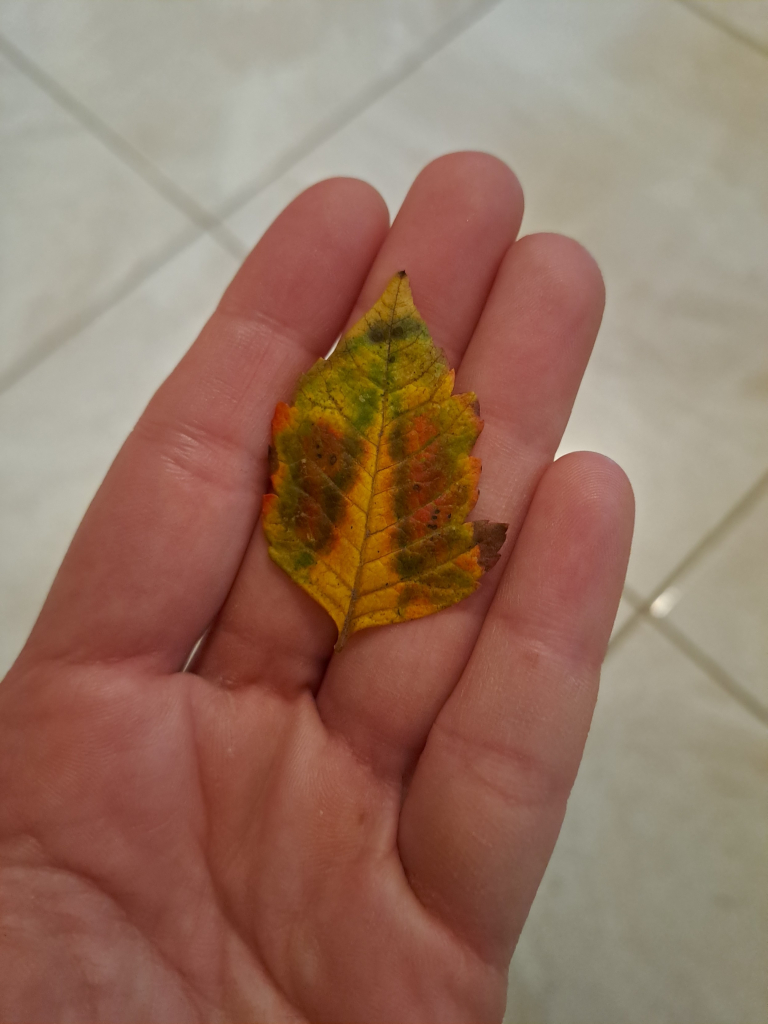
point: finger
(490, 789)
(458, 219)
(525, 363)
(157, 550)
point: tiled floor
(146, 144)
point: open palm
(281, 833)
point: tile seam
(740, 36)
(690, 650)
(129, 156)
(624, 631)
(712, 668)
(737, 512)
(57, 337)
(63, 332)
(362, 102)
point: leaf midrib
(384, 407)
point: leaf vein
(413, 579)
(410, 344)
(418, 451)
(330, 481)
(413, 380)
(413, 408)
(329, 567)
(413, 512)
(357, 430)
(413, 544)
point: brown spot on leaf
(489, 537)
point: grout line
(206, 221)
(64, 331)
(707, 542)
(121, 148)
(366, 98)
(623, 632)
(642, 605)
(731, 30)
(712, 668)
(631, 595)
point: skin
(284, 833)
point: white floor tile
(638, 128)
(215, 91)
(723, 605)
(75, 219)
(749, 17)
(62, 424)
(654, 909)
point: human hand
(285, 834)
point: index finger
(160, 544)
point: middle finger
(525, 363)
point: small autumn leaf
(373, 477)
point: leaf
(373, 478)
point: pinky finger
(489, 793)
